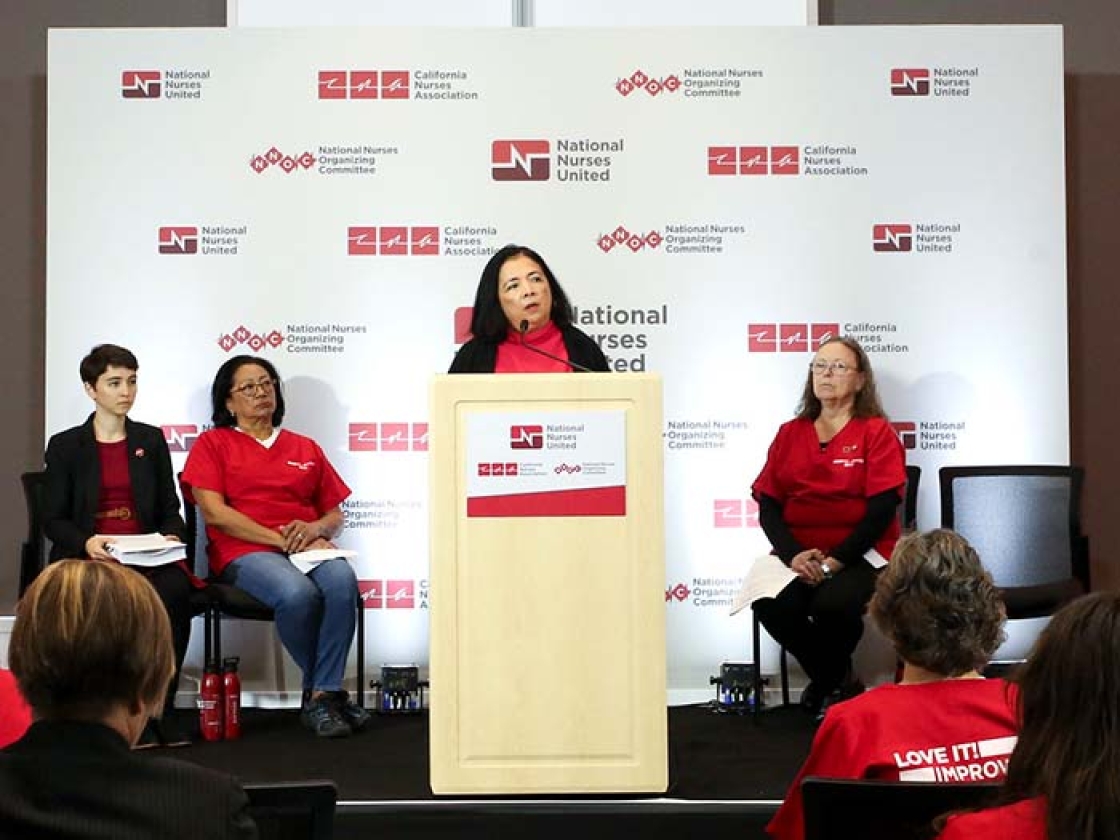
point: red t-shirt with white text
(292, 479)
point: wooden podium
(547, 593)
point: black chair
(840, 809)
(224, 599)
(33, 552)
(293, 810)
(1025, 523)
(907, 518)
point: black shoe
(811, 699)
(149, 738)
(169, 733)
(355, 716)
(322, 717)
(846, 691)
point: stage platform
(726, 772)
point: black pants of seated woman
(820, 625)
(174, 589)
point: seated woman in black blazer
(112, 476)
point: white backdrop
(713, 200)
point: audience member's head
(1069, 706)
(91, 640)
(938, 605)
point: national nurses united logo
(907, 432)
(141, 84)
(255, 341)
(910, 81)
(526, 437)
(181, 239)
(892, 238)
(799, 337)
(520, 160)
(180, 437)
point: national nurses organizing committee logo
(178, 239)
(526, 437)
(892, 238)
(242, 337)
(678, 592)
(639, 80)
(621, 237)
(274, 159)
(520, 160)
(461, 324)
(388, 437)
(754, 160)
(365, 84)
(141, 84)
(392, 241)
(797, 337)
(909, 81)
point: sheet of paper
(767, 577)
(305, 561)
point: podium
(547, 584)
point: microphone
(523, 328)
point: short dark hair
(222, 389)
(101, 358)
(488, 322)
(88, 637)
(867, 398)
(938, 604)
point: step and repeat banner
(714, 201)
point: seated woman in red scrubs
(1062, 781)
(828, 498)
(522, 321)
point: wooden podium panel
(547, 632)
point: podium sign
(547, 584)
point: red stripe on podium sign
(593, 501)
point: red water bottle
(231, 698)
(210, 704)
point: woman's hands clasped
(303, 536)
(814, 567)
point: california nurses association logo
(365, 84)
(392, 241)
(388, 437)
(799, 337)
(754, 160)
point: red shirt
(1022, 820)
(292, 479)
(116, 509)
(824, 492)
(515, 358)
(15, 714)
(942, 732)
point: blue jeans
(315, 613)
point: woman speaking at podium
(522, 322)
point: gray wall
(1092, 132)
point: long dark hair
(222, 388)
(867, 398)
(488, 322)
(1069, 707)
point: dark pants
(174, 589)
(821, 625)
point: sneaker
(321, 717)
(355, 716)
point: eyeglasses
(821, 367)
(265, 386)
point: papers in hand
(144, 549)
(305, 561)
(768, 576)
